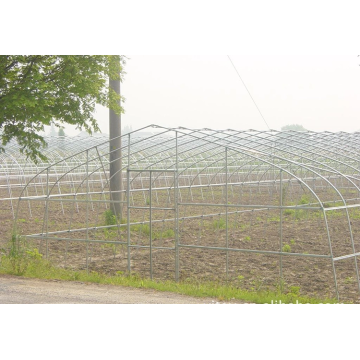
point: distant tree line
(294, 127)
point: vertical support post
(176, 200)
(353, 249)
(47, 214)
(150, 225)
(128, 218)
(115, 150)
(87, 211)
(281, 225)
(331, 254)
(227, 213)
(129, 148)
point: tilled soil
(260, 231)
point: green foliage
(19, 256)
(349, 280)
(354, 214)
(286, 248)
(110, 218)
(219, 224)
(294, 290)
(144, 229)
(167, 234)
(40, 268)
(43, 90)
(304, 200)
(61, 132)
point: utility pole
(115, 152)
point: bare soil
(251, 230)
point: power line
(248, 92)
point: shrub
(110, 218)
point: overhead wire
(248, 92)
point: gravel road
(17, 290)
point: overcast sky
(320, 92)
(196, 91)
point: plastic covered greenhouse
(248, 208)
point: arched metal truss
(246, 207)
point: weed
(141, 228)
(110, 218)
(247, 238)
(219, 224)
(281, 286)
(169, 233)
(292, 242)
(144, 229)
(354, 214)
(295, 290)
(110, 233)
(257, 284)
(305, 199)
(17, 255)
(40, 268)
(34, 254)
(349, 280)
(286, 248)
(244, 226)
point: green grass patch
(219, 224)
(21, 260)
(37, 267)
(144, 229)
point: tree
(61, 132)
(52, 131)
(41, 90)
(295, 127)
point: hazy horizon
(197, 91)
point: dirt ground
(304, 233)
(17, 290)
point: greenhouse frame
(253, 209)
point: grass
(31, 265)
(144, 229)
(219, 224)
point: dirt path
(15, 290)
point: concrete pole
(115, 154)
